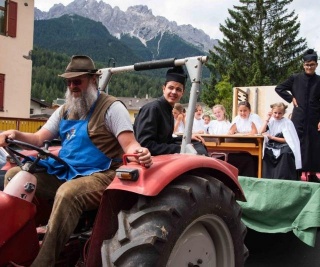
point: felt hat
(310, 55)
(176, 74)
(78, 66)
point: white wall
(260, 99)
(17, 69)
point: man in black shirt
(153, 126)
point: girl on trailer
(245, 122)
(179, 118)
(220, 125)
(282, 156)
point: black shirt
(306, 90)
(153, 128)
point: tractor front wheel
(194, 221)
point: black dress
(306, 90)
(281, 167)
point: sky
(207, 15)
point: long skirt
(282, 167)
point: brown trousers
(71, 198)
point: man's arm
(284, 88)
(35, 139)
(131, 146)
(118, 122)
(47, 132)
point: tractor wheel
(194, 221)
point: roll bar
(194, 66)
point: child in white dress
(282, 155)
(220, 125)
(245, 122)
(179, 118)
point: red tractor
(182, 211)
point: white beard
(79, 107)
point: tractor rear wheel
(194, 221)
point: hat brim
(69, 75)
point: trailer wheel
(194, 221)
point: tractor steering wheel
(30, 164)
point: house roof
(132, 103)
(135, 103)
(42, 103)
(46, 113)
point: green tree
(47, 85)
(260, 44)
(218, 93)
(209, 94)
(224, 95)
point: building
(40, 109)
(16, 43)
(134, 104)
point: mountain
(137, 23)
(109, 36)
(73, 34)
(55, 40)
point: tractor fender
(15, 213)
(17, 228)
(120, 194)
(166, 168)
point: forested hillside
(56, 40)
(72, 34)
(46, 65)
(48, 86)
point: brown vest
(99, 134)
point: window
(8, 18)
(2, 76)
(2, 16)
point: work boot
(313, 178)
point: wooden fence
(24, 125)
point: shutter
(12, 19)
(1, 91)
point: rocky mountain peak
(137, 21)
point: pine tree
(260, 44)
(225, 94)
(209, 94)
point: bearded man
(95, 131)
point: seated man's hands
(144, 156)
(7, 134)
